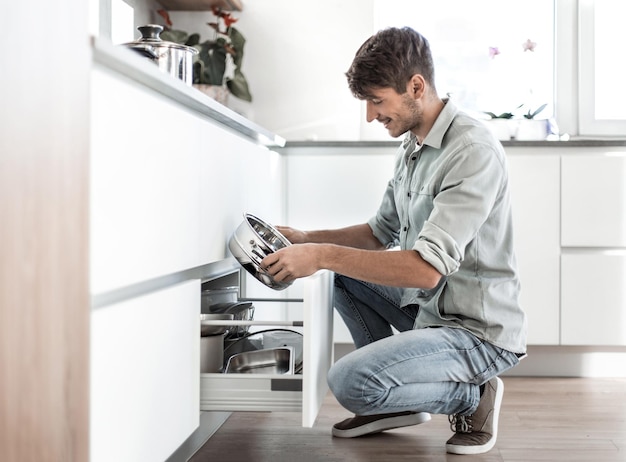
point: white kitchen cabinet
(145, 184)
(358, 177)
(145, 375)
(594, 200)
(171, 174)
(534, 181)
(593, 237)
(593, 298)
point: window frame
(588, 123)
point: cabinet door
(534, 180)
(594, 200)
(145, 374)
(145, 185)
(593, 298)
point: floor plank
(542, 419)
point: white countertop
(119, 59)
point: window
(489, 55)
(602, 100)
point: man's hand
(293, 262)
(295, 236)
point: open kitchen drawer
(272, 392)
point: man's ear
(417, 86)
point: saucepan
(251, 242)
(171, 58)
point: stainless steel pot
(212, 342)
(171, 58)
(252, 241)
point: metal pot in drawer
(271, 361)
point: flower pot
(503, 129)
(219, 93)
(532, 130)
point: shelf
(201, 5)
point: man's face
(399, 113)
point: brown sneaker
(368, 424)
(477, 433)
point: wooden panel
(44, 302)
(201, 5)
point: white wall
(297, 53)
(296, 56)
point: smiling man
(450, 287)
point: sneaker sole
(382, 425)
(465, 450)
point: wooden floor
(542, 419)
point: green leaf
(530, 115)
(213, 59)
(176, 36)
(193, 39)
(236, 39)
(238, 86)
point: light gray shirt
(449, 200)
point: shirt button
(405, 228)
(413, 158)
(408, 194)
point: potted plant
(218, 62)
(530, 128)
(502, 125)
(506, 126)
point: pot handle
(150, 32)
(146, 52)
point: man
(450, 290)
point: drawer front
(593, 300)
(593, 194)
(145, 375)
(145, 185)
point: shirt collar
(435, 136)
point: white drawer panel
(144, 375)
(593, 200)
(145, 184)
(593, 300)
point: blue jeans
(437, 370)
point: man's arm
(358, 236)
(402, 268)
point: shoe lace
(460, 423)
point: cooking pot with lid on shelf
(171, 58)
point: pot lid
(150, 37)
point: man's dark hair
(389, 59)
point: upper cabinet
(201, 5)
